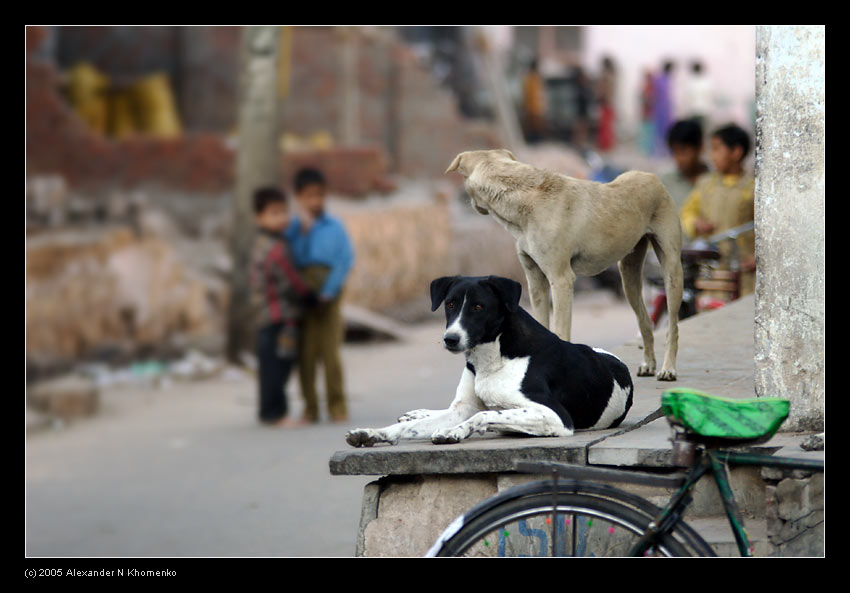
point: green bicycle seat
(721, 419)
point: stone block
(66, 397)
(795, 516)
(423, 506)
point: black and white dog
(519, 376)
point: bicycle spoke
(573, 536)
(538, 535)
(582, 520)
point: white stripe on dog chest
(498, 380)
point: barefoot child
(324, 255)
(278, 294)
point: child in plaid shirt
(278, 298)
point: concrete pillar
(257, 165)
(789, 218)
(349, 97)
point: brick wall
(408, 126)
(57, 141)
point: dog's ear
(509, 153)
(507, 290)
(439, 288)
(455, 164)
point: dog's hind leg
(669, 255)
(631, 272)
(562, 303)
(538, 288)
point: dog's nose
(451, 340)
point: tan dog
(566, 227)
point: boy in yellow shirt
(724, 199)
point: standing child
(724, 199)
(685, 142)
(278, 294)
(324, 256)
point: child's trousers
(320, 338)
(275, 356)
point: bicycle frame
(716, 462)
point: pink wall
(727, 52)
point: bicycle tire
(592, 519)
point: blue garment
(326, 244)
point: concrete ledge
(650, 446)
(485, 454)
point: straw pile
(86, 291)
(399, 250)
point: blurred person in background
(584, 103)
(723, 199)
(278, 296)
(324, 257)
(534, 103)
(662, 107)
(646, 133)
(699, 95)
(685, 141)
(605, 92)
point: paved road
(186, 471)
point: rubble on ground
(67, 397)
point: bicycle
(700, 275)
(575, 514)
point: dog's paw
(666, 375)
(448, 436)
(361, 437)
(414, 415)
(646, 370)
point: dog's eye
(478, 307)
(450, 305)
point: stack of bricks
(795, 512)
(408, 126)
(58, 142)
(401, 107)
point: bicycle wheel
(588, 520)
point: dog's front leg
(464, 405)
(410, 429)
(538, 288)
(418, 415)
(533, 420)
(562, 303)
